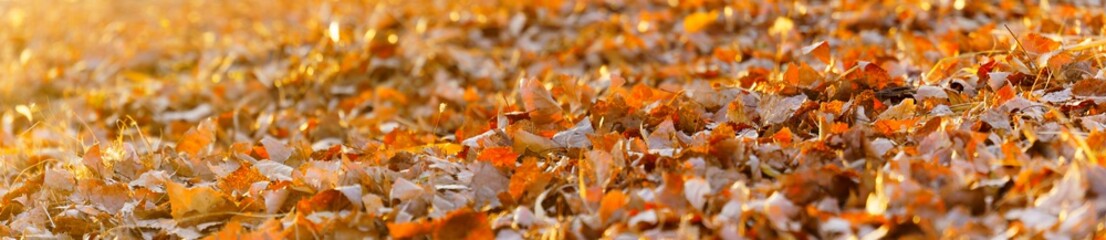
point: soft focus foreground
(552, 119)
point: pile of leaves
(552, 119)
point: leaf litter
(552, 119)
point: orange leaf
(197, 138)
(783, 136)
(232, 230)
(186, 201)
(820, 50)
(1059, 60)
(1036, 43)
(839, 128)
(698, 21)
(870, 75)
(1012, 153)
(409, 230)
(464, 224)
(528, 176)
(240, 180)
(1005, 94)
(329, 200)
(502, 157)
(942, 69)
(612, 202)
(727, 54)
(892, 126)
(801, 75)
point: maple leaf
(1037, 43)
(526, 177)
(502, 157)
(870, 75)
(1006, 93)
(538, 101)
(241, 179)
(198, 138)
(185, 202)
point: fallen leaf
(464, 224)
(502, 157)
(1037, 43)
(698, 21)
(538, 101)
(612, 202)
(276, 150)
(198, 138)
(188, 202)
(820, 50)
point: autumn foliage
(552, 119)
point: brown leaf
(93, 159)
(1089, 87)
(110, 197)
(186, 202)
(801, 75)
(538, 101)
(328, 200)
(870, 75)
(198, 138)
(464, 224)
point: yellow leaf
(781, 26)
(698, 21)
(185, 201)
(446, 148)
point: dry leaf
(698, 21)
(198, 138)
(612, 202)
(538, 101)
(502, 157)
(198, 201)
(820, 50)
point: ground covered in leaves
(552, 119)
